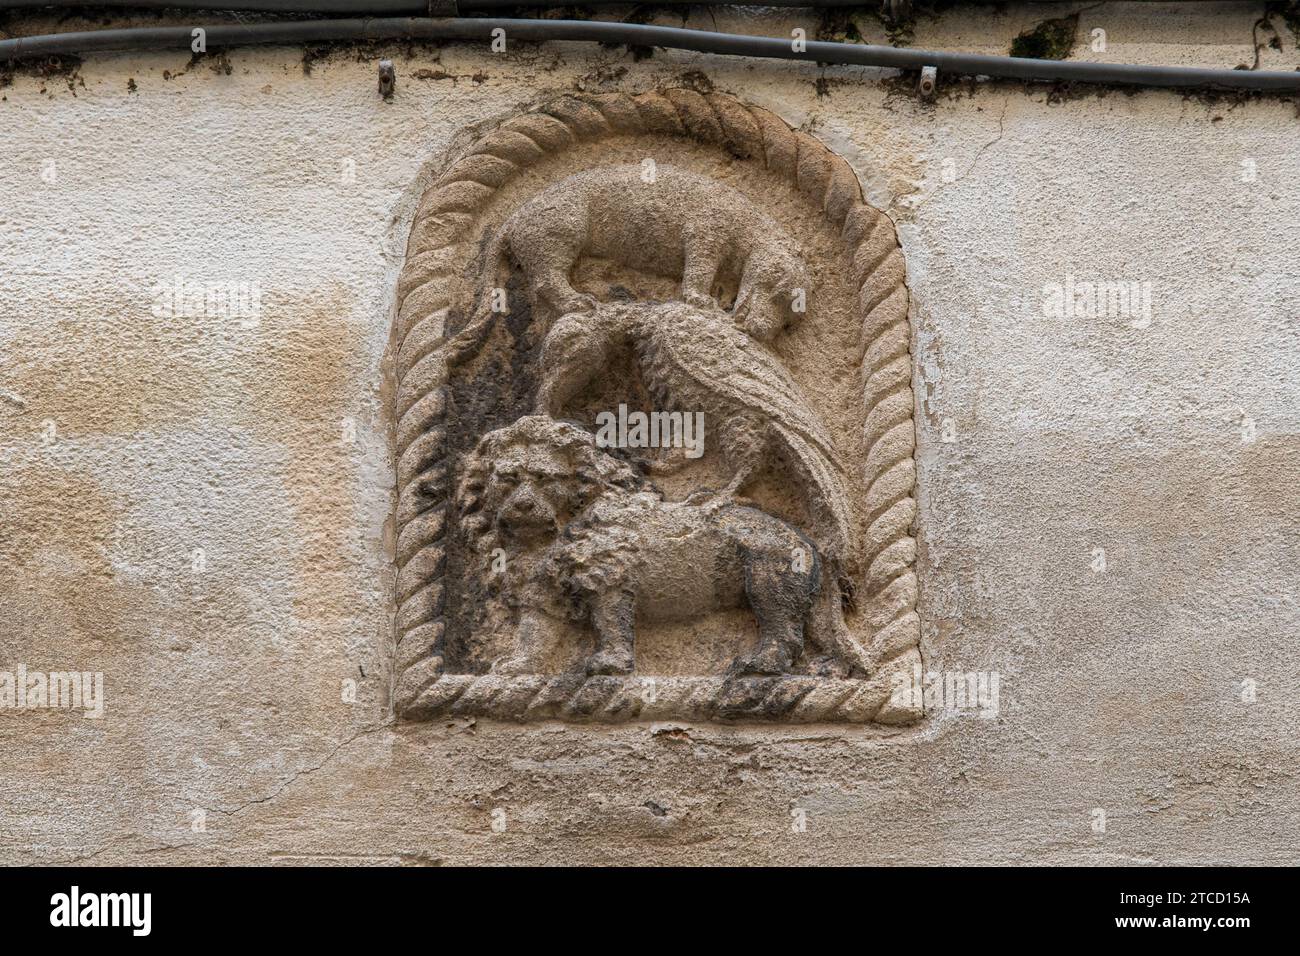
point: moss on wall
(1050, 40)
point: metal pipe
(702, 41)
(398, 6)
(466, 6)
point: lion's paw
(766, 662)
(828, 666)
(610, 662)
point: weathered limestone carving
(688, 258)
(586, 533)
(702, 359)
(662, 219)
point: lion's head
(523, 483)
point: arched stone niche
(505, 352)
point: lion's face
(532, 491)
(525, 482)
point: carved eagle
(694, 359)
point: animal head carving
(772, 279)
(523, 483)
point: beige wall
(137, 447)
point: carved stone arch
(453, 224)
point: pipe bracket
(928, 83)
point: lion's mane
(596, 547)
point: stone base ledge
(575, 697)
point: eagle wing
(702, 350)
(721, 359)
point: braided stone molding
(574, 697)
(443, 239)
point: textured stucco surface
(267, 449)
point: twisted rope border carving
(441, 241)
(612, 699)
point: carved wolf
(673, 223)
(588, 538)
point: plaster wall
(199, 507)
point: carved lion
(587, 538)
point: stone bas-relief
(691, 260)
(661, 219)
(584, 537)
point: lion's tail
(826, 623)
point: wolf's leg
(555, 291)
(613, 615)
(547, 257)
(702, 252)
